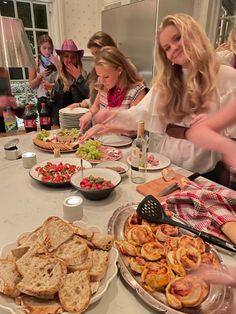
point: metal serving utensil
(151, 209)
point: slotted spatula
(151, 209)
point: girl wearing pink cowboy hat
(71, 85)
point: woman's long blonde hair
(64, 76)
(113, 57)
(178, 97)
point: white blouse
(180, 151)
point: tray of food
(157, 262)
(94, 152)
(47, 273)
(64, 139)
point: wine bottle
(139, 156)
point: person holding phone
(43, 76)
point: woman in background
(71, 85)
(227, 51)
(190, 84)
(121, 86)
(43, 76)
(95, 43)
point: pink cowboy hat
(69, 46)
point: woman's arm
(138, 98)
(35, 79)
(87, 117)
(205, 133)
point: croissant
(188, 291)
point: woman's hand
(7, 101)
(96, 129)
(44, 74)
(105, 115)
(73, 70)
(47, 86)
(85, 120)
(74, 105)
(55, 61)
(196, 119)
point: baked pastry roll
(152, 251)
(174, 264)
(139, 235)
(200, 245)
(186, 240)
(165, 231)
(171, 244)
(127, 248)
(188, 291)
(210, 259)
(155, 277)
(132, 221)
(188, 257)
(137, 264)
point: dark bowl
(96, 195)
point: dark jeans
(220, 174)
(2, 125)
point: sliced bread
(100, 264)
(102, 241)
(73, 251)
(75, 293)
(9, 277)
(84, 233)
(32, 305)
(55, 232)
(44, 278)
(86, 265)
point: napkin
(204, 206)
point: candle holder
(73, 208)
(29, 159)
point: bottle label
(31, 123)
(11, 126)
(45, 120)
(135, 157)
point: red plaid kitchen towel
(206, 207)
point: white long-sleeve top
(180, 151)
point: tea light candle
(29, 159)
(73, 208)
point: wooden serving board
(155, 186)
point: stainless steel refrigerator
(133, 27)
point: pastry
(152, 251)
(165, 231)
(139, 235)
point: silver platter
(219, 300)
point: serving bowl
(95, 195)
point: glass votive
(29, 159)
(73, 208)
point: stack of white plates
(69, 118)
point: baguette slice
(86, 265)
(74, 251)
(84, 233)
(100, 264)
(55, 232)
(75, 293)
(30, 239)
(9, 277)
(44, 277)
(168, 174)
(32, 305)
(102, 241)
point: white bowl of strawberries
(96, 183)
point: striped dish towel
(205, 207)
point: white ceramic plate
(9, 304)
(111, 164)
(163, 161)
(73, 161)
(115, 140)
(75, 111)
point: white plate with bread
(54, 262)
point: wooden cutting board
(155, 186)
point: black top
(78, 91)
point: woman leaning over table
(71, 85)
(121, 86)
(189, 85)
(95, 44)
(226, 52)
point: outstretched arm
(205, 133)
